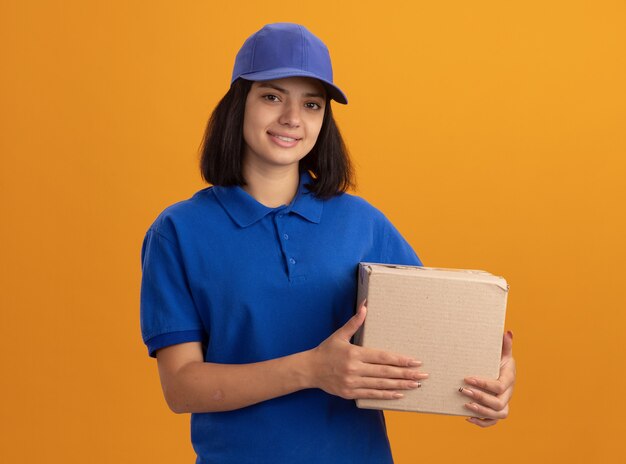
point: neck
(272, 188)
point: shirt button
(280, 215)
(292, 261)
(286, 237)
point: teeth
(286, 139)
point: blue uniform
(254, 283)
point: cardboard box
(452, 320)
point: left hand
(492, 404)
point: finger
(497, 387)
(373, 356)
(366, 393)
(487, 413)
(375, 383)
(350, 328)
(507, 374)
(482, 422)
(390, 372)
(497, 403)
(507, 345)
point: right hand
(353, 372)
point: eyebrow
(269, 85)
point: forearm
(335, 366)
(209, 387)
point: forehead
(295, 85)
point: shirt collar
(245, 210)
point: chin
(286, 158)
(278, 157)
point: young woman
(249, 286)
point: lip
(283, 143)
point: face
(282, 120)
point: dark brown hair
(222, 148)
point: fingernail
(473, 406)
(415, 384)
(472, 381)
(414, 363)
(510, 334)
(398, 395)
(466, 391)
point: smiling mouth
(283, 138)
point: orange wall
(490, 132)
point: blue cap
(286, 50)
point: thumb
(349, 328)
(507, 345)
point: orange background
(491, 133)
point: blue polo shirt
(254, 283)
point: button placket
(290, 260)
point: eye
(272, 98)
(313, 105)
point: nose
(290, 115)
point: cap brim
(333, 91)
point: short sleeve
(396, 249)
(167, 310)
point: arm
(192, 385)
(336, 366)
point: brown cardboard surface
(452, 320)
